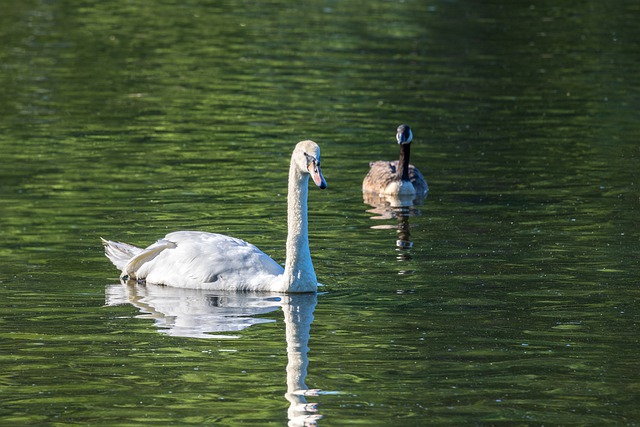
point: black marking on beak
(310, 160)
(316, 171)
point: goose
(398, 177)
(202, 260)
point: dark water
(509, 297)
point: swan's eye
(311, 160)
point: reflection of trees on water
(400, 209)
(198, 313)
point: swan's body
(201, 260)
(399, 177)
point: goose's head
(404, 135)
(307, 157)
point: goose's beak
(404, 135)
(402, 138)
(316, 174)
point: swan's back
(200, 260)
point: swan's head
(404, 134)
(307, 157)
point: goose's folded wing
(381, 174)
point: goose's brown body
(398, 177)
(383, 178)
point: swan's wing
(145, 256)
(200, 260)
(381, 174)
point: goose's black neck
(403, 163)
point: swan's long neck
(403, 163)
(299, 275)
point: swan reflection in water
(400, 208)
(198, 313)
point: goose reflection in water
(198, 313)
(400, 208)
(393, 188)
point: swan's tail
(119, 253)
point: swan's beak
(316, 174)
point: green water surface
(509, 297)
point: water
(512, 298)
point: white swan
(201, 260)
(399, 177)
